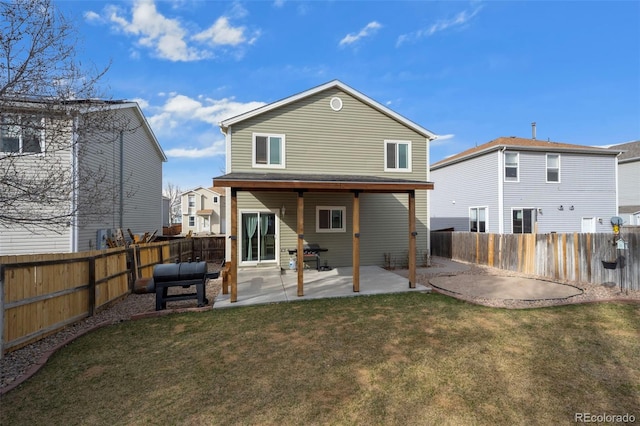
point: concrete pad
(506, 288)
(272, 285)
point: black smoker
(182, 274)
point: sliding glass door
(258, 243)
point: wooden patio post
(233, 270)
(300, 252)
(412, 239)
(356, 241)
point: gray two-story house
(629, 182)
(329, 167)
(517, 185)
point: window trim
(486, 218)
(504, 175)
(343, 211)
(191, 201)
(21, 138)
(409, 156)
(547, 168)
(282, 151)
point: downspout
(501, 190)
(74, 184)
(121, 179)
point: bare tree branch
(50, 117)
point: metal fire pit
(183, 274)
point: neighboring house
(517, 185)
(119, 170)
(327, 166)
(629, 182)
(203, 211)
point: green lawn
(402, 359)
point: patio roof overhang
(301, 183)
(315, 182)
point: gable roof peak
(525, 144)
(224, 124)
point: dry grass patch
(394, 359)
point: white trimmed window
(22, 134)
(523, 221)
(478, 219)
(192, 221)
(215, 200)
(330, 219)
(511, 164)
(192, 200)
(397, 156)
(268, 150)
(553, 168)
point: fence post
(1, 311)
(92, 286)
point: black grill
(183, 274)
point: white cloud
(441, 139)
(92, 16)
(458, 20)
(370, 29)
(213, 150)
(221, 33)
(278, 3)
(212, 111)
(170, 38)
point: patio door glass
(258, 237)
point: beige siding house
(203, 211)
(329, 167)
(119, 170)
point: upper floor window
(268, 150)
(478, 219)
(192, 200)
(511, 164)
(397, 156)
(553, 167)
(215, 200)
(21, 134)
(330, 219)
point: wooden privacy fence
(41, 294)
(564, 257)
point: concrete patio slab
(273, 285)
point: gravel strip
(20, 364)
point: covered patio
(271, 285)
(304, 183)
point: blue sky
(469, 71)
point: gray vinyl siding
(320, 140)
(142, 210)
(15, 240)
(587, 182)
(629, 183)
(380, 233)
(472, 183)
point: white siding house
(517, 185)
(121, 170)
(203, 211)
